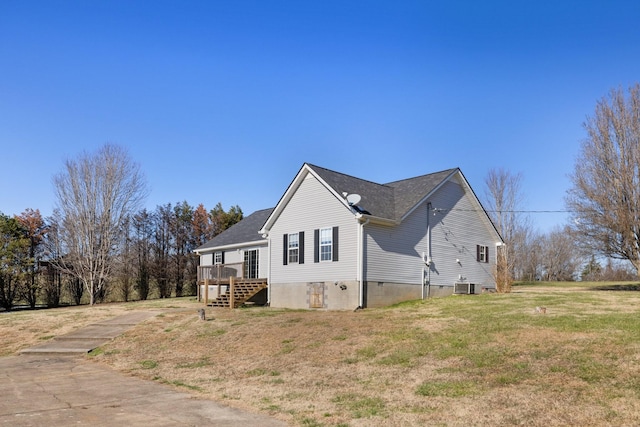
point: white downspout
(428, 260)
(423, 280)
(361, 261)
(268, 268)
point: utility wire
(502, 211)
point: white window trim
(483, 253)
(291, 250)
(327, 244)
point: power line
(535, 211)
(435, 210)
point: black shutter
(222, 257)
(477, 252)
(301, 247)
(316, 245)
(486, 254)
(335, 243)
(285, 249)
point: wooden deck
(233, 294)
(232, 289)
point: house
(335, 241)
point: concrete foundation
(345, 295)
(381, 294)
(337, 295)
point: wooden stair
(243, 291)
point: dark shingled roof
(376, 198)
(409, 192)
(391, 201)
(242, 232)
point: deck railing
(220, 273)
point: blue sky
(223, 101)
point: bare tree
(32, 222)
(53, 281)
(605, 197)
(533, 258)
(14, 260)
(95, 193)
(203, 227)
(143, 233)
(124, 264)
(203, 231)
(181, 229)
(75, 289)
(617, 271)
(52, 287)
(504, 196)
(560, 258)
(161, 249)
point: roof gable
(390, 202)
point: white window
(293, 248)
(326, 244)
(482, 253)
(217, 258)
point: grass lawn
(463, 360)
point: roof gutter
(377, 219)
(232, 246)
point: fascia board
(285, 199)
(232, 246)
(331, 189)
(293, 187)
(474, 198)
(482, 209)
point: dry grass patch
(480, 360)
(26, 328)
(22, 329)
(459, 361)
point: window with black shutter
(325, 244)
(293, 248)
(482, 253)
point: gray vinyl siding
(394, 254)
(454, 236)
(311, 207)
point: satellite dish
(353, 199)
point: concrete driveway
(50, 386)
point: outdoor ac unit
(464, 288)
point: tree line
(602, 239)
(152, 258)
(101, 239)
(100, 243)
